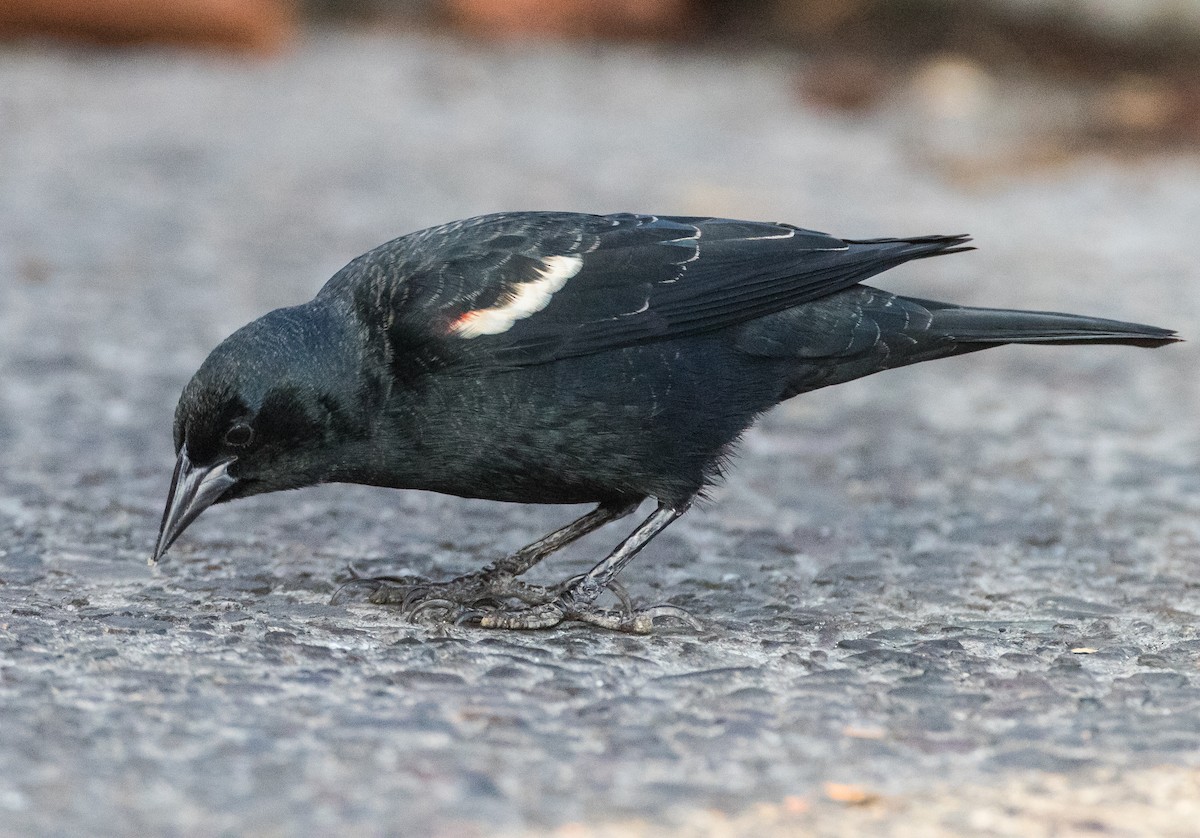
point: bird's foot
(628, 620)
(576, 602)
(413, 594)
(499, 600)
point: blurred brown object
(254, 25)
(853, 82)
(1141, 108)
(806, 19)
(573, 18)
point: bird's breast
(650, 420)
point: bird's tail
(862, 330)
(964, 325)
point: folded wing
(530, 288)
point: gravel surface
(954, 590)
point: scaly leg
(576, 601)
(497, 581)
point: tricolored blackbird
(548, 357)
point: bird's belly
(644, 421)
(544, 450)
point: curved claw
(674, 611)
(470, 617)
(618, 590)
(337, 597)
(430, 605)
(412, 598)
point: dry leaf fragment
(850, 795)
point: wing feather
(632, 279)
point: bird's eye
(239, 436)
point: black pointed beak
(193, 490)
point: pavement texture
(960, 596)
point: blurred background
(1113, 74)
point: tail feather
(862, 330)
(996, 326)
(919, 247)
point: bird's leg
(531, 554)
(577, 599)
(498, 579)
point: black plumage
(562, 358)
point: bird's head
(272, 407)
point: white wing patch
(528, 298)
